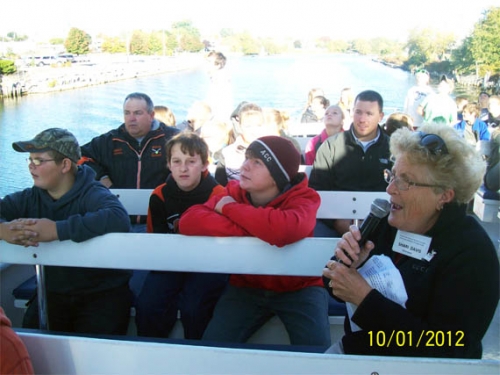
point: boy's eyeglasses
(433, 143)
(402, 183)
(37, 162)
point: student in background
(346, 102)
(164, 293)
(440, 107)
(272, 202)
(316, 91)
(334, 121)
(316, 110)
(276, 118)
(251, 125)
(220, 95)
(471, 127)
(199, 114)
(483, 102)
(217, 135)
(493, 112)
(416, 95)
(397, 120)
(461, 101)
(492, 176)
(165, 115)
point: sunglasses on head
(433, 143)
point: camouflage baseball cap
(55, 139)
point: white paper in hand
(381, 274)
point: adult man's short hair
(141, 96)
(371, 96)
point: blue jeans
(242, 311)
(164, 293)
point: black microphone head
(380, 208)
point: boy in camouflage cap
(54, 139)
(66, 203)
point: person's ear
(66, 163)
(205, 166)
(381, 116)
(446, 197)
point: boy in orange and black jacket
(164, 293)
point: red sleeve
(219, 189)
(202, 220)
(290, 222)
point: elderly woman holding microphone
(447, 262)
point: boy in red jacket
(273, 202)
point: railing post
(42, 297)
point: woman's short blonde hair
(461, 170)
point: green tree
(427, 45)
(188, 36)
(15, 37)
(248, 44)
(362, 46)
(155, 43)
(271, 47)
(170, 43)
(7, 67)
(337, 46)
(139, 43)
(113, 45)
(483, 45)
(78, 41)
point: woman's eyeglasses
(433, 143)
(403, 184)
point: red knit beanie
(280, 156)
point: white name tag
(412, 245)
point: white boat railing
(54, 354)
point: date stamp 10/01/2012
(426, 338)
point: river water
(281, 82)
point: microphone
(378, 210)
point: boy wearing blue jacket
(66, 203)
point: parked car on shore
(67, 57)
(41, 60)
